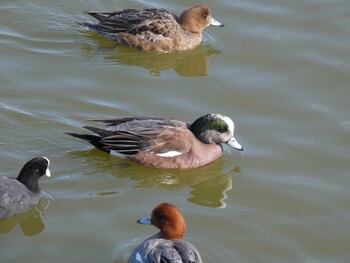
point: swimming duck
(167, 245)
(21, 194)
(154, 29)
(165, 143)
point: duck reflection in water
(209, 184)
(31, 222)
(188, 63)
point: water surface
(280, 69)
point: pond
(279, 69)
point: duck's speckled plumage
(154, 29)
(167, 245)
(165, 143)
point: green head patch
(216, 124)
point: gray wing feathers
(15, 198)
(169, 251)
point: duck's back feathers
(162, 251)
(129, 136)
(149, 24)
(142, 122)
(15, 198)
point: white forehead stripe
(47, 159)
(169, 154)
(231, 125)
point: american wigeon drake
(165, 143)
(21, 194)
(167, 245)
(154, 29)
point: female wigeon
(166, 245)
(165, 143)
(154, 29)
(21, 194)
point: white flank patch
(169, 154)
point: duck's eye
(159, 215)
(205, 14)
(222, 129)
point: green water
(279, 69)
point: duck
(154, 29)
(164, 143)
(167, 245)
(23, 193)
